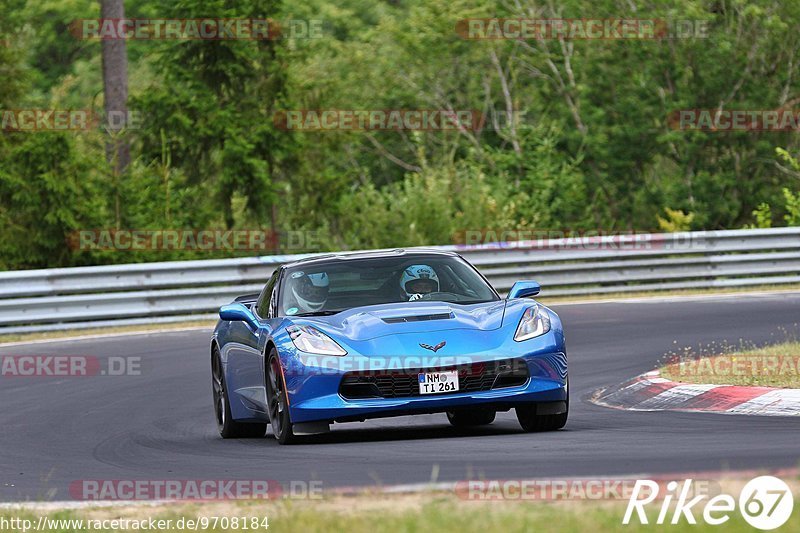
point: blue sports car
(347, 337)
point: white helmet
(310, 290)
(415, 279)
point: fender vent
(417, 318)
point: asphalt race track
(160, 425)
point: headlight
(312, 340)
(534, 322)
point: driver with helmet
(309, 292)
(418, 280)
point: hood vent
(417, 318)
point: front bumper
(315, 385)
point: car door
(246, 354)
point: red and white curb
(651, 392)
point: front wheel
(536, 417)
(278, 401)
(227, 426)
(471, 417)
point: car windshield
(328, 287)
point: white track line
(108, 335)
(675, 298)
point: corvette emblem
(434, 348)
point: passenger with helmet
(417, 281)
(307, 293)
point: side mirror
(237, 312)
(524, 289)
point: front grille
(474, 377)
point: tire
(227, 426)
(277, 401)
(471, 417)
(534, 423)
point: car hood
(365, 323)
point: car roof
(372, 254)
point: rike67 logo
(765, 503)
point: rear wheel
(227, 426)
(471, 417)
(277, 401)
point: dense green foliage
(589, 148)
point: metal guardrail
(65, 298)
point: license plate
(438, 382)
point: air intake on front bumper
(404, 383)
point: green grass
(432, 512)
(777, 365)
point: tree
(115, 86)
